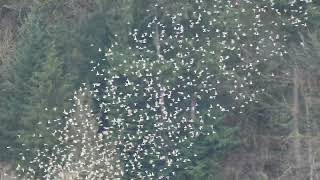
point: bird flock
(157, 95)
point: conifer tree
(186, 67)
(78, 152)
(166, 91)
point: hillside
(186, 89)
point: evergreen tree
(78, 151)
(173, 96)
(30, 54)
(49, 89)
(169, 85)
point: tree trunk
(307, 102)
(159, 56)
(295, 119)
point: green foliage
(210, 151)
(29, 55)
(49, 88)
(57, 42)
(45, 50)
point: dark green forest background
(45, 54)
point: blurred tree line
(55, 40)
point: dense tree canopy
(160, 89)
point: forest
(160, 89)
